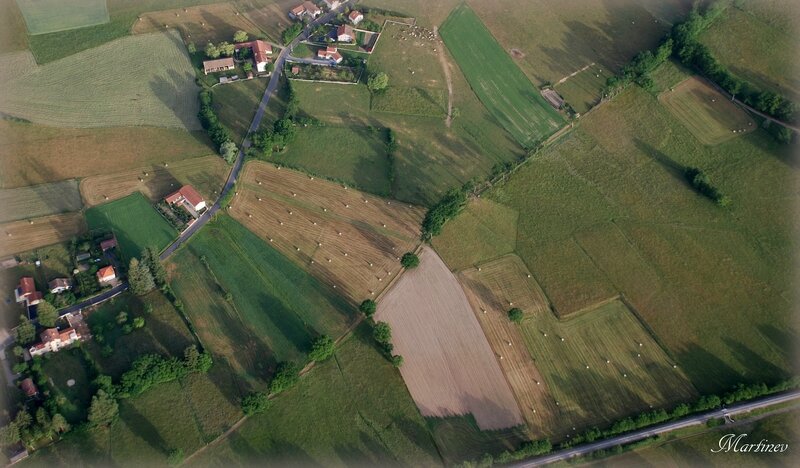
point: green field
(583, 91)
(275, 308)
(351, 410)
(411, 101)
(508, 94)
(713, 284)
(355, 156)
(756, 49)
(460, 439)
(39, 200)
(47, 16)
(144, 80)
(60, 369)
(135, 223)
(236, 103)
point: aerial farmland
(398, 233)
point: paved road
(659, 429)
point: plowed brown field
(21, 236)
(449, 367)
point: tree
(322, 349)
(47, 314)
(140, 278)
(212, 51)
(247, 67)
(18, 351)
(151, 259)
(256, 402)
(240, 36)
(175, 457)
(226, 48)
(382, 332)
(378, 82)
(228, 150)
(515, 315)
(195, 361)
(409, 260)
(25, 331)
(191, 48)
(397, 360)
(368, 307)
(291, 32)
(286, 375)
(122, 317)
(138, 322)
(103, 410)
(9, 434)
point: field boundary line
(562, 80)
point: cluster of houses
(261, 50)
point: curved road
(659, 429)
(237, 165)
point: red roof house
(26, 292)
(330, 53)
(108, 244)
(305, 9)
(29, 387)
(188, 197)
(54, 340)
(344, 33)
(59, 285)
(261, 52)
(106, 274)
(355, 17)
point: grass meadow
(13, 34)
(39, 200)
(47, 16)
(144, 80)
(583, 91)
(275, 309)
(135, 222)
(712, 283)
(352, 409)
(236, 103)
(460, 439)
(508, 94)
(756, 49)
(62, 369)
(353, 155)
(411, 101)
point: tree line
(218, 134)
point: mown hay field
(206, 174)
(39, 200)
(706, 113)
(713, 284)
(199, 24)
(754, 47)
(135, 223)
(32, 154)
(138, 80)
(348, 239)
(13, 34)
(349, 410)
(555, 39)
(411, 101)
(275, 308)
(448, 366)
(21, 236)
(583, 90)
(587, 370)
(352, 155)
(501, 86)
(47, 16)
(271, 16)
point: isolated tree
(247, 67)
(47, 314)
(122, 317)
(368, 307)
(515, 315)
(26, 331)
(378, 82)
(256, 402)
(397, 360)
(140, 278)
(226, 48)
(103, 410)
(240, 36)
(191, 48)
(409, 260)
(151, 259)
(322, 349)
(138, 322)
(287, 374)
(212, 51)
(228, 150)
(382, 332)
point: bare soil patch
(517, 54)
(449, 367)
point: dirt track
(449, 367)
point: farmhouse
(106, 274)
(59, 285)
(54, 340)
(330, 53)
(344, 33)
(261, 52)
(553, 98)
(29, 388)
(218, 65)
(26, 292)
(305, 9)
(355, 17)
(108, 244)
(189, 199)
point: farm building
(553, 98)
(108, 244)
(59, 285)
(344, 33)
(189, 199)
(106, 274)
(332, 3)
(54, 340)
(355, 17)
(329, 53)
(218, 65)
(305, 9)
(29, 388)
(26, 292)
(261, 52)
(82, 257)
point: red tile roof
(188, 193)
(106, 271)
(354, 14)
(260, 49)
(26, 286)
(344, 29)
(108, 244)
(29, 387)
(59, 283)
(49, 335)
(64, 334)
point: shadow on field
(758, 368)
(782, 340)
(705, 370)
(143, 428)
(676, 170)
(290, 326)
(416, 433)
(168, 93)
